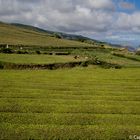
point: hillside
(52, 33)
(11, 34)
(74, 37)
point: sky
(115, 21)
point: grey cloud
(128, 22)
(98, 17)
(78, 15)
(11, 8)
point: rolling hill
(28, 35)
(60, 34)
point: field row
(79, 103)
(82, 132)
(69, 119)
(50, 59)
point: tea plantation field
(79, 103)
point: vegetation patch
(54, 66)
(138, 52)
(79, 103)
(125, 56)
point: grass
(103, 55)
(124, 61)
(15, 35)
(128, 60)
(79, 103)
(36, 59)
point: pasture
(126, 61)
(37, 59)
(79, 103)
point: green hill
(14, 35)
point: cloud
(97, 18)
(77, 15)
(102, 4)
(126, 5)
(128, 22)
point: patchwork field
(79, 103)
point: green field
(37, 59)
(49, 59)
(79, 103)
(129, 60)
(108, 57)
(86, 102)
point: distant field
(119, 60)
(14, 35)
(106, 55)
(49, 59)
(79, 103)
(36, 59)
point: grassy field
(15, 35)
(124, 61)
(47, 59)
(129, 60)
(37, 59)
(79, 103)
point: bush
(38, 52)
(138, 52)
(1, 65)
(118, 54)
(22, 52)
(6, 50)
(84, 64)
(19, 52)
(56, 35)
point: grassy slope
(106, 55)
(78, 103)
(36, 59)
(15, 35)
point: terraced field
(36, 59)
(128, 59)
(79, 103)
(120, 60)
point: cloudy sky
(115, 21)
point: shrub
(1, 65)
(118, 54)
(84, 64)
(56, 35)
(19, 52)
(38, 52)
(138, 52)
(22, 52)
(6, 50)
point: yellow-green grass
(79, 103)
(15, 35)
(119, 60)
(37, 59)
(109, 57)
(47, 59)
